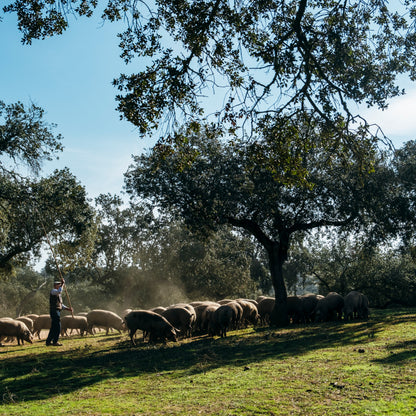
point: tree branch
(254, 229)
(316, 224)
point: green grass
(360, 368)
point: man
(55, 308)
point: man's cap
(57, 282)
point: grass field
(359, 368)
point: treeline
(175, 265)
(118, 255)
(209, 219)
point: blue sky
(70, 77)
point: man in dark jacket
(55, 308)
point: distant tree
(337, 262)
(26, 137)
(27, 291)
(86, 294)
(390, 279)
(297, 277)
(30, 210)
(23, 292)
(122, 232)
(213, 268)
(257, 57)
(136, 248)
(403, 207)
(369, 260)
(387, 275)
(32, 283)
(209, 182)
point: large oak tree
(210, 181)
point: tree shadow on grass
(39, 376)
(400, 353)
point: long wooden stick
(56, 262)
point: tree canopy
(258, 58)
(26, 137)
(122, 232)
(56, 206)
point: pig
(158, 327)
(15, 328)
(265, 308)
(181, 319)
(27, 321)
(329, 308)
(158, 309)
(355, 305)
(105, 319)
(77, 322)
(237, 315)
(207, 315)
(187, 306)
(222, 320)
(294, 309)
(364, 309)
(41, 322)
(309, 302)
(125, 312)
(225, 301)
(250, 312)
(201, 323)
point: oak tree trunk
(277, 256)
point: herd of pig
(186, 319)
